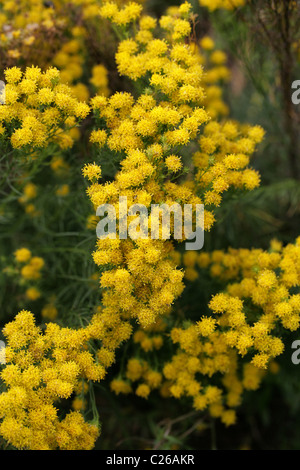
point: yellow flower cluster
(150, 131)
(30, 193)
(79, 402)
(223, 159)
(207, 370)
(266, 278)
(40, 108)
(260, 285)
(136, 370)
(27, 272)
(40, 370)
(122, 16)
(171, 147)
(214, 63)
(49, 311)
(70, 59)
(56, 33)
(44, 367)
(143, 282)
(18, 32)
(213, 5)
(21, 34)
(227, 352)
(99, 79)
(245, 320)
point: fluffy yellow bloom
(173, 163)
(91, 171)
(226, 4)
(143, 391)
(22, 255)
(32, 293)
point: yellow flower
(91, 171)
(49, 312)
(143, 391)
(32, 293)
(22, 255)
(173, 163)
